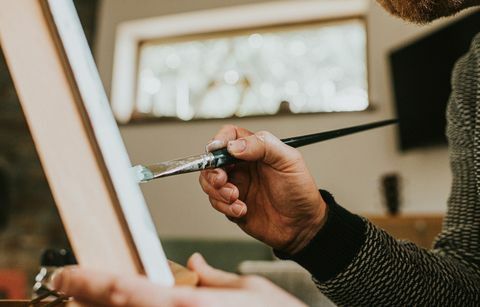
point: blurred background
(176, 71)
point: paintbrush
(221, 157)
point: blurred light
(297, 48)
(231, 77)
(172, 61)
(328, 89)
(255, 40)
(267, 89)
(311, 88)
(291, 87)
(278, 69)
(151, 85)
(184, 111)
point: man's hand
(217, 288)
(272, 196)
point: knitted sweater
(355, 263)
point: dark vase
(391, 193)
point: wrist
(335, 246)
(309, 228)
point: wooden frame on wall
(131, 34)
(78, 141)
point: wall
(349, 167)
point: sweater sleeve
(355, 263)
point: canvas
(78, 141)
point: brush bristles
(142, 173)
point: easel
(100, 211)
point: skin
(272, 197)
(216, 289)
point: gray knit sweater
(355, 263)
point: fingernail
(237, 146)
(238, 210)
(214, 145)
(226, 193)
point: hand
(217, 288)
(272, 196)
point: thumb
(211, 277)
(263, 146)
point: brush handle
(223, 158)
(308, 139)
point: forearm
(356, 264)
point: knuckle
(207, 186)
(227, 131)
(252, 281)
(235, 193)
(263, 134)
(265, 137)
(297, 155)
(117, 296)
(228, 127)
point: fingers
(223, 195)
(227, 133)
(235, 210)
(227, 193)
(224, 198)
(91, 288)
(98, 288)
(216, 178)
(264, 146)
(261, 146)
(108, 289)
(254, 290)
(211, 277)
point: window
(307, 66)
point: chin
(425, 11)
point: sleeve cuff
(334, 246)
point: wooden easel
(100, 209)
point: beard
(424, 11)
